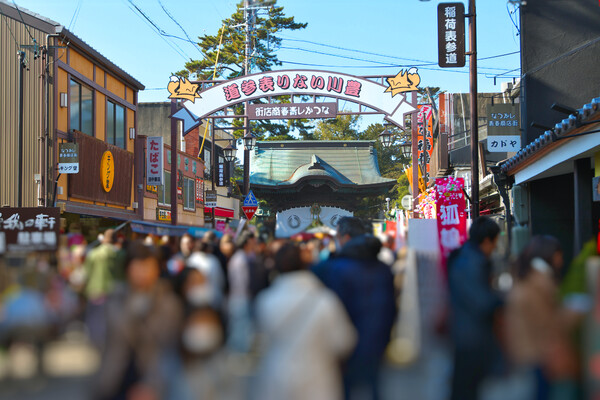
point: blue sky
(395, 30)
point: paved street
(425, 379)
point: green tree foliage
(265, 23)
(390, 159)
(264, 44)
(344, 127)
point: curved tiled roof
(561, 130)
(286, 163)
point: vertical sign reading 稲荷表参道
(451, 35)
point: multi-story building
(212, 172)
(71, 94)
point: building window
(189, 194)
(82, 108)
(115, 124)
(164, 191)
(207, 163)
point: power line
(383, 66)
(10, 30)
(23, 21)
(337, 55)
(181, 27)
(354, 50)
(386, 55)
(75, 15)
(156, 29)
(379, 62)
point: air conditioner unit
(520, 204)
(506, 86)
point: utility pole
(474, 116)
(246, 120)
(415, 156)
(174, 166)
(22, 67)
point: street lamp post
(228, 155)
(474, 117)
(249, 143)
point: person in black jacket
(473, 304)
(365, 286)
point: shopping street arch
(305, 174)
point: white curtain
(331, 215)
(296, 220)
(292, 221)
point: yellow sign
(163, 215)
(404, 81)
(181, 88)
(107, 171)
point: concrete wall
(560, 58)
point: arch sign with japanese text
(389, 99)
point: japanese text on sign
(451, 35)
(292, 110)
(267, 84)
(451, 217)
(28, 229)
(503, 128)
(68, 158)
(199, 190)
(154, 161)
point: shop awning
(153, 228)
(158, 229)
(220, 212)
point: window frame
(161, 193)
(112, 125)
(81, 85)
(187, 191)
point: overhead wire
(213, 78)
(158, 30)
(10, 30)
(180, 27)
(384, 66)
(23, 21)
(137, 11)
(379, 62)
(75, 15)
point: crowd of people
(184, 318)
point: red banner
(451, 215)
(425, 137)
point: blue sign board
(250, 200)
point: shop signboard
(154, 161)
(68, 158)
(451, 35)
(292, 110)
(222, 175)
(220, 225)
(199, 191)
(27, 229)
(163, 215)
(425, 138)
(451, 214)
(107, 171)
(503, 128)
(210, 198)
